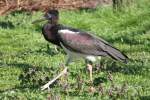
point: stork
(77, 44)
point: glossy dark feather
(50, 34)
(81, 42)
(85, 43)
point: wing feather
(85, 43)
(82, 42)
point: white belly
(76, 56)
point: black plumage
(82, 42)
(87, 44)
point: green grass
(23, 50)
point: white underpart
(91, 58)
(66, 31)
(76, 56)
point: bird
(77, 43)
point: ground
(27, 61)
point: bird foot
(92, 89)
(54, 79)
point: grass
(26, 63)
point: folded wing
(82, 42)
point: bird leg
(58, 76)
(89, 67)
(54, 79)
(56, 48)
(69, 59)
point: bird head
(52, 16)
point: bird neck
(50, 31)
(53, 22)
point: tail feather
(111, 51)
(116, 54)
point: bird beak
(45, 17)
(39, 20)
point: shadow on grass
(32, 77)
(99, 80)
(31, 83)
(6, 25)
(132, 68)
(145, 98)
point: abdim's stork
(77, 43)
